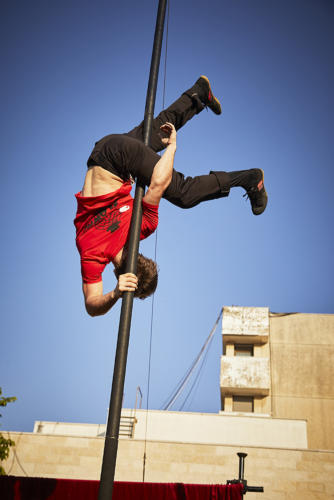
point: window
(243, 350)
(243, 404)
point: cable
(191, 369)
(198, 377)
(165, 65)
(155, 258)
(183, 382)
(15, 456)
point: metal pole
(242, 457)
(115, 407)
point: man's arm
(97, 303)
(163, 170)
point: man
(105, 204)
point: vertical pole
(115, 407)
(242, 457)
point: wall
(187, 427)
(302, 370)
(285, 474)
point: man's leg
(178, 114)
(125, 156)
(190, 191)
(187, 192)
(191, 102)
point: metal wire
(155, 258)
(183, 382)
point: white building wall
(199, 428)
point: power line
(184, 380)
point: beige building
(277, 405)
(280, 365)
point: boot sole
(213, 96)
(265, 194)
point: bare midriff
(99, 181)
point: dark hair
(147, 274)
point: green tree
(5, 444)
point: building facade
(277, 400)
(282, 366)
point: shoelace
(250, 192)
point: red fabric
(31, 488)
(102, 226)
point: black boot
(252, 181)
(203, 93)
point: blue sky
(76, 71)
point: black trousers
(126, 154)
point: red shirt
(102, 228)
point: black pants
(126, 154)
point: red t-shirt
(102, 228)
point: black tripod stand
(241, 479)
